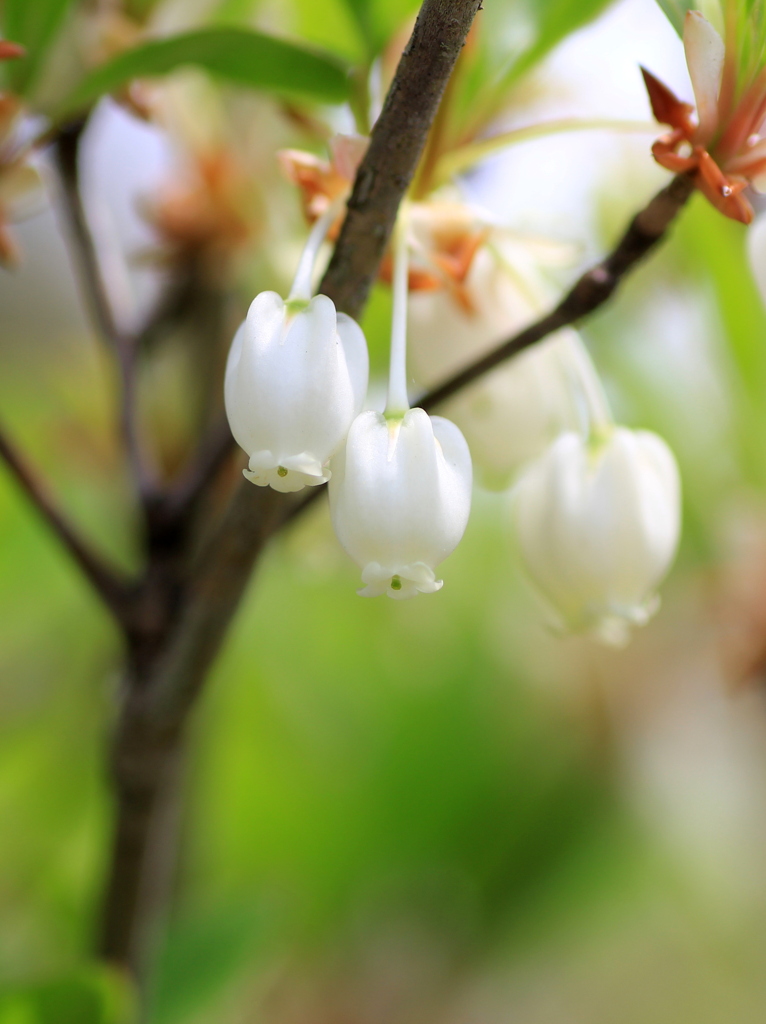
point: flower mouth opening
(281, 471)
(396, 583)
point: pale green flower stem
(397, 402)
(302, 289)
(599, 420)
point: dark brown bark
(396, 144)
(157, 698)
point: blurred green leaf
(92, 996)
(248, 58)
(34, 24)
(332, 26)
(201, 954)
(716, 250)
(232, 12)
(379, 20)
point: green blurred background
(428, 811)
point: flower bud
(295, 379)
(400, 496)
(598, 524)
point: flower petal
(704, 58)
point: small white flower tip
(285, 474)
(399, 584)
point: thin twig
(124, 345)
(589, 292)
(110, 584)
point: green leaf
(201, 955)
(716, 249)
(378, 20)
(248, 58)
(331, 26)
(91, 996)
(34, 24)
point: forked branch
(114, 588)
(587, 294)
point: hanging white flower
(296, 377)
(400, 493)
(598, 524)
(400, 496)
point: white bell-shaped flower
(400, 496)
(400, 492)
(296, 377)
(598, 524)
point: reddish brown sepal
(666, 106)
(11, 51)
(724, 193)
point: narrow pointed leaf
(248, 58)
(33, 24)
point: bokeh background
(428, 811)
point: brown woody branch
(111, 585)
(396, 144)
(125, 346)
(214, 450)
(588, 293)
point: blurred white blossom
(598, 523)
